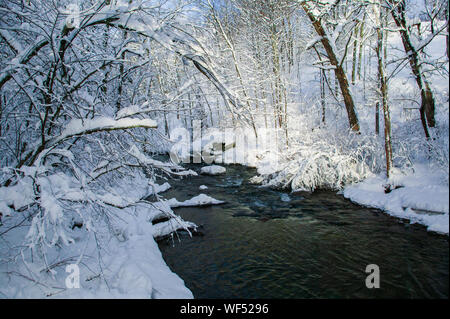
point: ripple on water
(313, 246)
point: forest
(103, 103)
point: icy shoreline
(418, 198)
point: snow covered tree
(413, 51)
(316, 12)
(78, 127)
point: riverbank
(419, 197)
(123, 264)
(123, 260)
(419, 193)
(113, 256)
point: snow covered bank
(156, 189)
(124, 263)
(114, 250)
(419, 197)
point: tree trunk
(447, 13)
(427, 108)
(377, 118)
(355, 53)
(383, 93)
(361, 46)
(339, 71)
(322, 94)
(121, 78)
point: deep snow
(119, 260)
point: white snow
(200, 200)
(78, 126)
(421, 198)
(156, 189)
(131, 265)
(18, 196)
(115, 247)
(117, 259)
(213, 170)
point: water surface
(265, 243)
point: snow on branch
(78, 127)
(21, 59)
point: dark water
(313, 246)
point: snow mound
(213, 170)
(129, 265)
(200, 200)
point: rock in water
(213, 170)
(285, 197)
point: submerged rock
(285, 197)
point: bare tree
(427, 109)
(334, 58)
(378, 13)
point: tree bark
(355, 52)
(383, 93)
(339, 71)
(377, 118)
(427, 108)
(447, 14)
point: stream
(265, 243)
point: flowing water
(265, 243)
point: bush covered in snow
(316, 163)
(332, 157)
